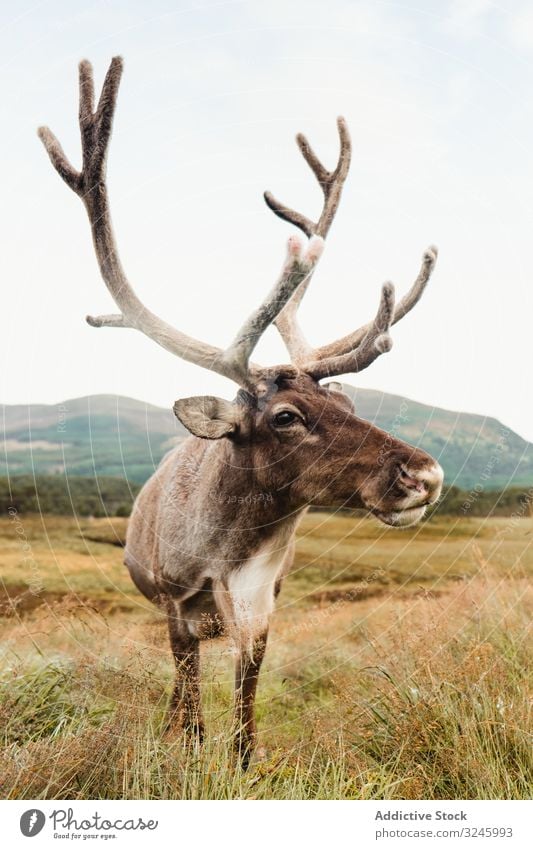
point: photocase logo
(32, 822)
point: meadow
(399, 667)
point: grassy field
(398, 667)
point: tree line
(113, 496)
(67, 496)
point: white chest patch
(251, 589)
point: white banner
(254, 824)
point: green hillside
(98, 435)
(108, 435)
(472, 449)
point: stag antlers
(352, 353)
(90, 185)
(357, 350)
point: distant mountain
(115, 436)
(94, 435)
(472, 449)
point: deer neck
(239, 504)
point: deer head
(296, 436)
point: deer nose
(427, 482)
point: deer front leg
(185, 706)
(246, 676)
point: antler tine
(297, 269)
(90, 185)
(331, 183)
(376, 341)
(354, 339)
(429, 259)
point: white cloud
(468, 17)
(520, 27)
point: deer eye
(285, 417)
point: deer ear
(206, 416)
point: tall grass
(432, 700)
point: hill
(97, 435)
(472, 449)
(108, 435)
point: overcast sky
(439, 101)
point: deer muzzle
(410, 489)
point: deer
(212, 532)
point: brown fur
(214, 503)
